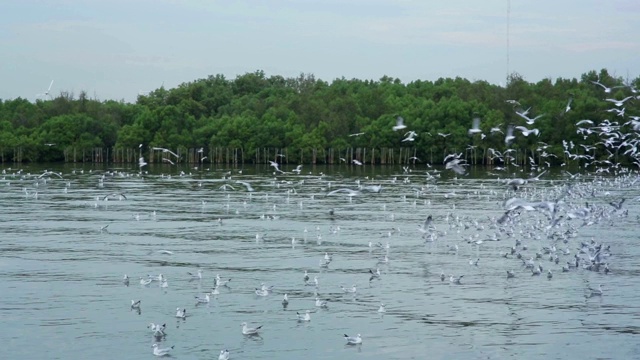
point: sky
(116, 49)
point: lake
(65, 250)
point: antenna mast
(508, 30)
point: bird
(595, 292)
(410, 136)
(606, 89)
(508, 139)
(166, 151)
(203, 300)
(320, 303)
(510, 274)
(125, 280)
(475, 128)
(46, 93)
(220, 282)
(157, 329)
(456, 281)
(526, 131)
(568, 107)
(250, 331)
(181, 313)
(285, 300)
(399, 124)
(224, 355)
(304, 317)
(157, 351)
(619, 103)
(135, 304)
(353, 340)
(196, 276)
(528, 120)
(381, 309)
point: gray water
(63, 295)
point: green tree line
(253, 112)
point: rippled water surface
(63, 296)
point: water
(63, 296)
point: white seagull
(224, 355)
(161, 352)
(304, 317)
(249, 331)
(353, 340)
(399, 124)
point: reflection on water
(65, 249)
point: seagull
(161, 352)
(46, 93)
(135, 304)
(527, 119)
(606, 89)
(249, 331)
(374, 275)
(595, 292)
(410, 136)
(381, 309)
(181, 313)
(526, 131)
(568, 107)
(320, 303)
(619, 103)
(510, 274)
(475, 128)
(224, 355)
(125, 280)
(508, 139)
(305, 317)
(220, 282)
(196, 276)
(276, 166)
(203, 300)
(158, 330)
(166, 151)
(617, 205)
(353, 340)
(456, 281)
(285, 301)
(145, 282)
(399, 124)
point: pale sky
(113, 49)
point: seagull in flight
(475, 128)
(526, 131)
(399, 124)
(606, 89)
(619, 103)
(46, 93)
(527, 119)
(410, 136)
(276, 166)
(166, 151)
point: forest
(255, 119)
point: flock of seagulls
(534, 228)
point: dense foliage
(254, 111)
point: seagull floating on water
(353, 340)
